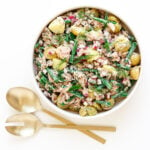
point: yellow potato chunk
(113, 18)
(91, 94)
(135, 59)
(57, 26)
(115, 28)
(94, 54)
(49, 53)
(77, 30)
(58, 64)
(135, 72)
(87, 111)
(122, 44)
(110, 69)
(108, 105)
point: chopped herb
(121, 94)
(67, 21)
(73, 52)
(131, 50)
(106, 16)
(80, 58)
(103, 102)
(106, 45)
(70, 37)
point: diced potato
(91, 94)
(135, 59)
(115, 28)
(77, 30)
(57, 26)
(97, 106)
(113, 18)
(110, 69)
(58, 64)
(49, 53)
(94, 35)
(83, 111)
(94, 54)
(91, 111)
(110, 103)
(87, 111)
(122, 44)
(135, 72)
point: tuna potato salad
(86, 60)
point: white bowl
(62, 112)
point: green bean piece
(73, 52)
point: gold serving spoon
(25, 100)
(28, 124)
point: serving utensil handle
(68, 122)
(82, 127)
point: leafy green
(70, 37)
(73, 52)
(121, 94)
(131, 50)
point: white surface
(20, 22)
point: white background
(20, 23)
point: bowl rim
(75, 115)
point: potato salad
(86, 61)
